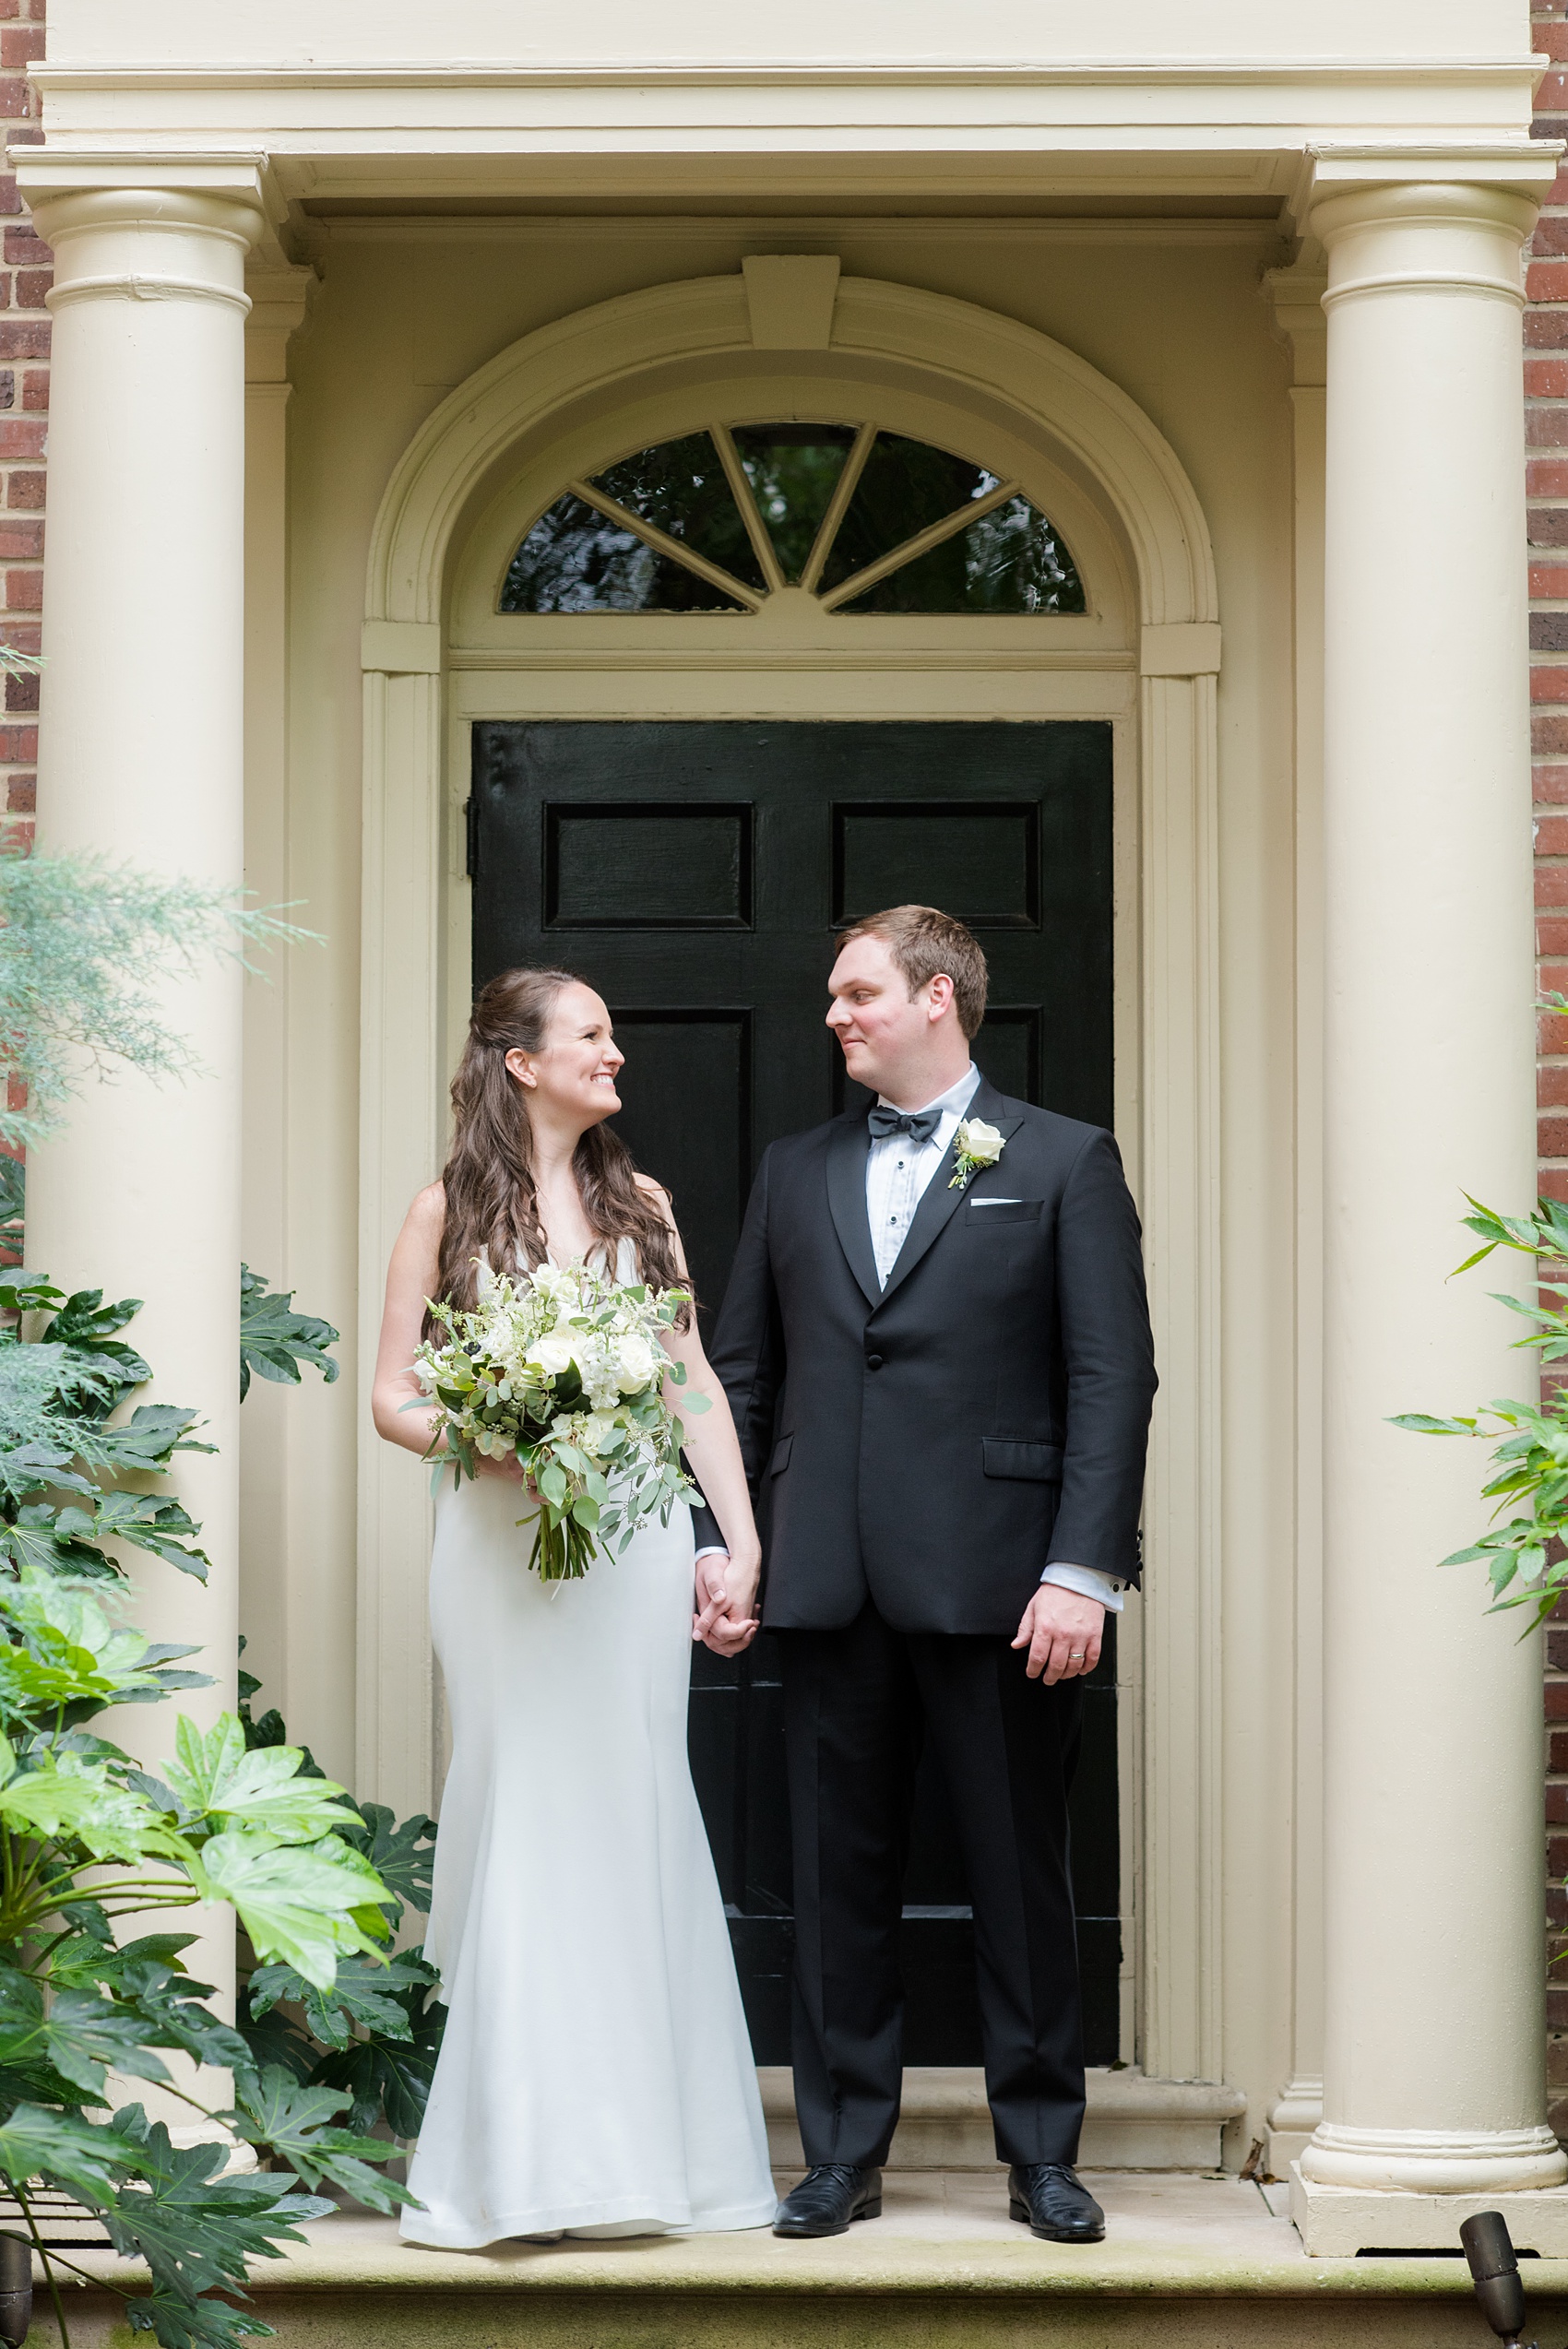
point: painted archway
(1023, 383)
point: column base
(1336, 2221)
(1292, 2118)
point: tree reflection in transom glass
(574, 560)
(906, 487)
(1009, 559)
(680, 487)
(793, 471)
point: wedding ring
(1077, 1654)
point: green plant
(88, 1838)
(273, 1339)
(84, 945)
(62, 1457)
(376, 2032)
(1524, 1554)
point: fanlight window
(864, 520)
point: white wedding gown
(596, 2075)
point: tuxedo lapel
(936, 1208)
(847, 1145)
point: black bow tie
(919, 1125)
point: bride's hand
(726, 1594)
(511, 1468)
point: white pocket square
(996, 1203)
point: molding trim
(461, 458)
(961, 72)
(132, 287)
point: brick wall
(1546, 420)
(24, 416)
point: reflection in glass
(905, 488)
(680, 489)
(573, 559)
(1010, 560)
(793, 469)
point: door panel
(693, 872)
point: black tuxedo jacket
(936, 1443)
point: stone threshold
(1132, 2122)
(1193, 2263)
(939, 2231)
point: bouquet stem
(562, 1550)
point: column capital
(1295, 295)
(47, 174)
(143, 239)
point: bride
(595, 2077)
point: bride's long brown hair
(492, 1201)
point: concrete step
(1131, 2123)
(1197, 2262)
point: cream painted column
(1297, 296)
(1433, 2032)
(141, 743)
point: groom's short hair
(924, 942)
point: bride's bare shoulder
(657, 1192)
(428, 1211)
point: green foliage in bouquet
(563, 1371)
(375, 2034)
(1523, 1549)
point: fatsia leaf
(294, 2122)
(79, 1799)
(194, 2228)
(82, 2155)
(79, 2035)
(149, 1438)
(307, 1904)
(160, 1526)
(275, 1340)
(272, 2040)
(402, 1854)
(364, 1993)
(177, 2323)
(389, 2080)
(218, 1776)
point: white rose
(554, 1353)
(635, 1363)
(980, 1142)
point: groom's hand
(1063, 1631)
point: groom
(936, 1347)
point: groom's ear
(939, 997)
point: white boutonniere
(979, 1146)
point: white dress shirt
(898, 1174)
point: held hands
(725, 1597)
(1062, 1631)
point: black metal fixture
(16, 2290)
(1494, 2270)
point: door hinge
(471, 819)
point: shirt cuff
(712, 1549)
(1090, 1583)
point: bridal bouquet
(562, 1369)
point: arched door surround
(488, 461)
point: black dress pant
(858, 1704)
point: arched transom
(861, 519)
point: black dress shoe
(827, 2199)
(1048, 2199)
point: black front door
(692, 874)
